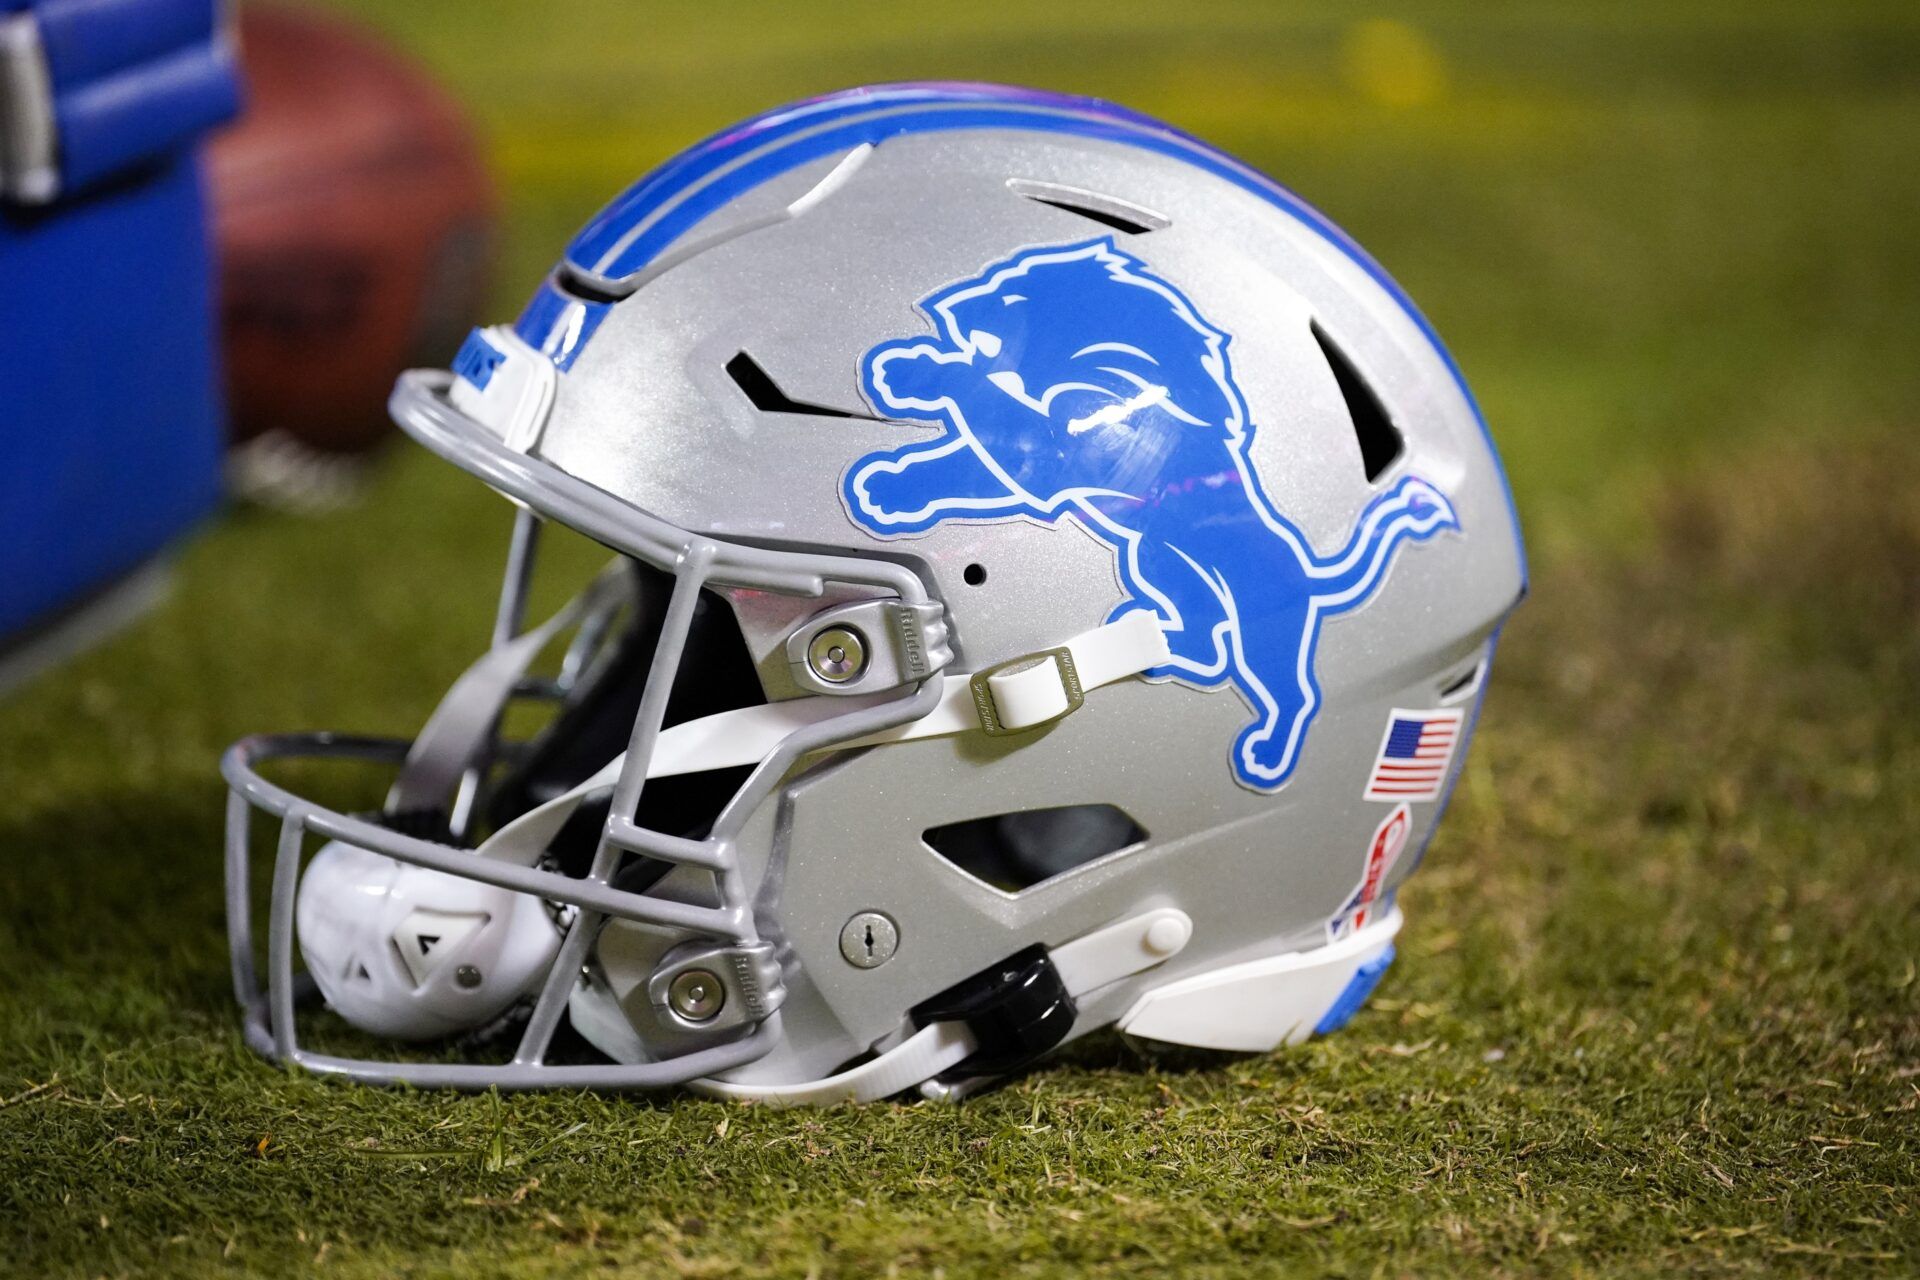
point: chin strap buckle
(1017, 1010)
(1027, 692)
(1039, 688)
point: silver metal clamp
(706, 988)
(869, 646)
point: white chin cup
(411, 954)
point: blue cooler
(111, 430)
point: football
(354, 224)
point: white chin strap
(1023, 694)
(1085, 964)
(451, 741)
(1015, 696)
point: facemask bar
(508, 622)
(695, 562)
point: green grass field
(1657, 1011)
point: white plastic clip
(505, 385)
(1261, 1004)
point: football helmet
(1054, 575)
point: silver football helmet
(1054, 576)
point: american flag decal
(1415, 755)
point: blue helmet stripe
(927, 109)
(686, 190)
(834, 140)
(591, 246)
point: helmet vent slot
(579, 285)
(1109, 211)
(1014, 852)
(766, 395)
(1463, 686)
(1380, 441)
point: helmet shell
(825, 244)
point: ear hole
(1380, 441)
(974, 575)
(1016, 851)
(767, 396)
(1109, 211)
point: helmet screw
(696, 995)
(467, 976)
(869, 940)
(837, 654)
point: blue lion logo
(1074, 384)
